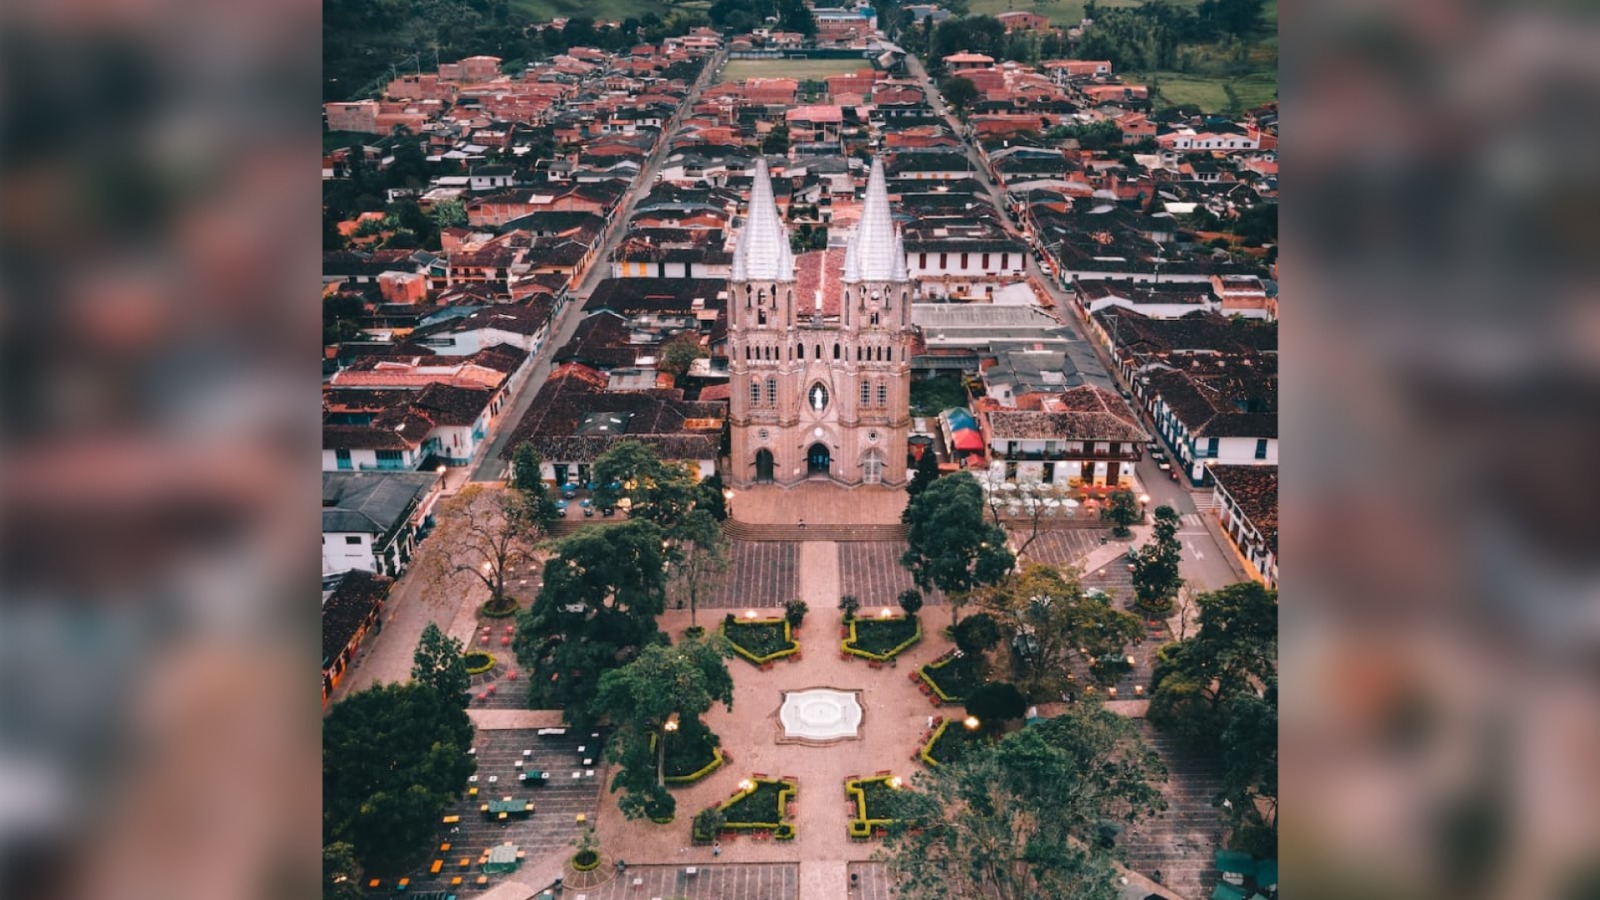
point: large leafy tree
(341, 877)
(439, 663)
(1047, 616)
(482, 536)
(952, 548)
(602, 593)
(657, 490)
(699, 550)
(1155, 568)
(1121, 511)
(959, 92)
(393, 757)
(537, 508)
(1014, 820)
(679, 353)
(925, 473)
(1234, 652)
(665, 684)
(1249, 746)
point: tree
(602, 593)
(393, 757)
(1249, 745)
(341, 877)
(795, 612)
(958, 92)
(709, 496)
(439, 663)
(1047, 616)
(699, 549)
(777, 141)
(662, 694)
(537, 509)
(976, 634)
(911, 601)
(482, 534)
(849, 604)
(449, 214)
(1014, 821)
(995, 703)
(659, 491)
(679, 353)
(926, 472)
(1155, 568)
(952, 548)
(1122, 511)
(1234, 651)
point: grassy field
(1065, 13)
(740, 69)
(1211, 93)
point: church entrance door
(818, 459)
(764, 465)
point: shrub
(784, 832)
(795, 611)
(977, 633)
(707, 822)
(761, 640)
(694, 631)
(871, 795)
(505, 609)
(953, 677)
(995, 703)
(478, 662)
(849, 604)
(585, 861)
(911, 601)
(881, 639)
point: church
(819, 349)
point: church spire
(875, 252)
(762, 252)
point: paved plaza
(757, 881)
(817, 503)
(760, 574)
(871, 571)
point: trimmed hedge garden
(692, 754)
(761, 807)
(585, 861)
(871, 796)
(478, 662)
(760, 640)
(881, 639)
(952, 677)
(946, 744)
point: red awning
(967, 439)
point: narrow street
(488, 466)
(1208, 562)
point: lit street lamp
(667, 727)
(971, 722)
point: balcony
(1066, 455)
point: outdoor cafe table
(502, 858)
(534, 776)
(506, 807)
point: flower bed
(761, 640)
(882, 639)
(948, 741)
(761, 807)
(478, 662)
(871, 796)
(952, 677)
(585, 861)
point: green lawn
(1065, 13)
(600, 10)
(740, 69)
(1210, 93)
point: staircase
(1180, 842)
(745, 531)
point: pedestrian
(716, 848)
(802, 522)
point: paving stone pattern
(871, 881)
(872, 572)
(1063, 547)
(760, 881)
(1180, 842)
(553, 826)
(761, 574)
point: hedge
(588, 865)
(786, 792)
(479, 670)
(854, 638)
(861, 825)
(926, 673)
(692, 777)
(788, 637)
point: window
(963, 261)
(755, 393)
(800, 351)
(883, 394)
(944, 260)
(986, 261)
(343, 458)
(352, 539)
(872, 468)
(874, 318)
(835, 351)
(922, 260)
(866, 393)
(389, 456)
(772, 392)
(1005, 260)
(1211, 447)
(1261, 448)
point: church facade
(819, 350)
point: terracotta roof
(352, 601)
(1255, 490)
(819, 270)
(657, 418)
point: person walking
(716, 848)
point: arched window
(755, 393)
(872, 468)
(883, 393)
(866, 393)
(800, 351)
(835, 351)
(772, 392)
(747, 354)
(761, 317)
(874, 318)
(858, 354)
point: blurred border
(160, 208)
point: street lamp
(971, 722)
(749, 614)
(895, 782)
(667, 727)
(746, 784)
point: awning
(1235, 862)
(1225, 891)
(959, 418)
(967, 439)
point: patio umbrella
(1068, 502)
(1009, 487)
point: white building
(1246, 505)
(370, 520)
